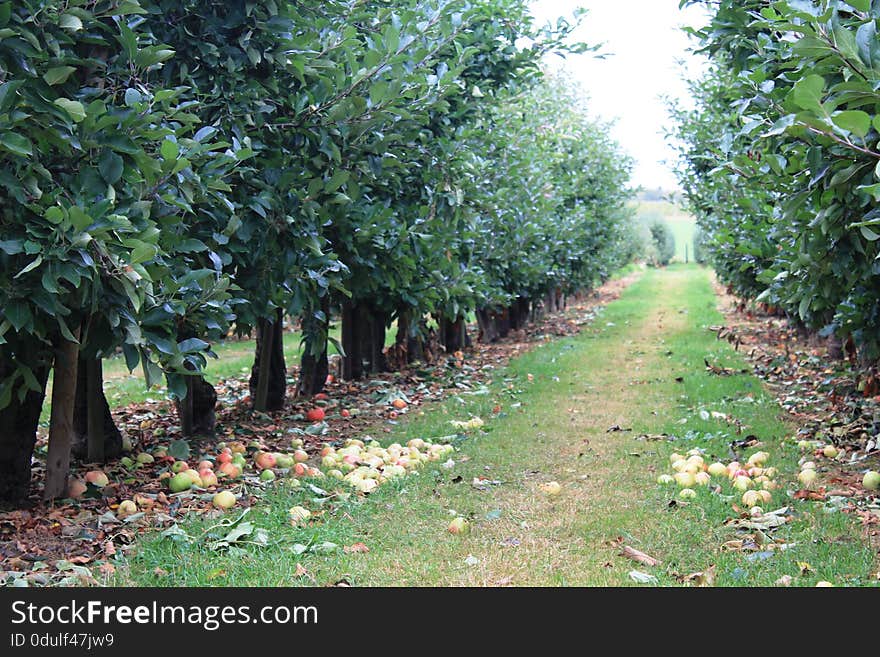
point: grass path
(559, 402)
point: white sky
(647, 57)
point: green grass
(620, 371)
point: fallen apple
(809, 465)
(208, 477)
(315, 415)
(230, 470)
(224, 457)
(97, 478)
(300, 456)
(824, 585)
(267, 475)
(551, 488)
(807, 477)
(205, 465)
(830, 452)
(458, 526)
(759, 458)
(742, 483)
(687, 493)
(179, 466)
(223, 500)
(284, 461)
(675, 457)
(751, 498)
(399, 404)
(296, 443)
(180, 482)
(144, 458)
(680, 465)
(665, 480)
(265, 460)
(717, 469)
(765, 496)
(871, 480)
(685, 479)
(126, 508)
(702, 479)
(126, 462)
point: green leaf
(142, 252)
(854, 121)
(17, 144)
(337, 180)
(861, 5)
(169, 150)
(869, 234)
(73, 107)
(110, 166)
(192, 345)
(179, 449)
(132, 356)
(18, 313)
(807, 93)
(54, 215)
(133, 97)
(58, 75)
(11, 247)
(70, 22)
(36, 262)
(128, 7)
(8, 94)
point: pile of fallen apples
(363, 466)
(752, 479)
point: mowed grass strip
(555, 425)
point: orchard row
(173, 171)
(781, 163)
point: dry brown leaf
(356, 547)
(641, 557)
(704, 578)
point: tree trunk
(18, 435)
(352, 361)
(185, 409)
(97, 438)
(363, 340)
(61, 433)
(376, 356)
(268, 383)
(197, 411)
(314, 369)
(488, 327)
(502, 323)
(453, 334)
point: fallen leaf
(356, 548)
(641, 557)
(642, 578)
